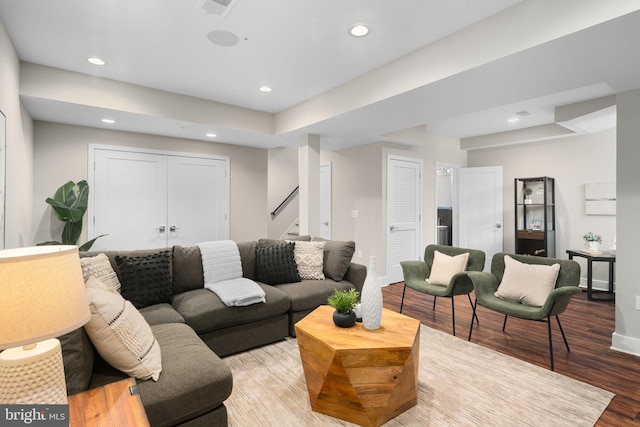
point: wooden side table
(112, 405)
(363, 376)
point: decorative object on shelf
(371, 298)
(527, 195)
(593, 240)
(536, 224)
(43, 297)
(343, 301)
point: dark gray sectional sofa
(195, 329)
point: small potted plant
(343, 301)
(593, 240)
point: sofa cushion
(276, 264)
(309, 257)
(77, 357)
(309, 294)
(120, 334)
(100, 267)
(194, 380)
(145, 279)
(337, 257)
(248, 257)
(157, 314)
(187, 269)
(204, 311)
(527, 283)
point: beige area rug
(460, 384)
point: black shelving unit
(535, 216)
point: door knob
(392, 227)
(173, 228)
(325, 223)
(498, 225)
(161, 229)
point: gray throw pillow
(276, 264)
(187, 269)
(337, 257)
(78, 358)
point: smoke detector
(216, 7)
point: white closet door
(404, 207)
(130, 200)
(197, 202)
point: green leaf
(71, 233)
(90, 243)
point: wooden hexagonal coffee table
(363, 376)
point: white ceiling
(302, 49)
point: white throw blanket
(222, 270)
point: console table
(591, 257)
(114, 404)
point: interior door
(481, 210)
(325, 201)
(129, 193)
(404, 207)
(197, 208)
(152, 200)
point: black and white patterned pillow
(145, 279)
(276, 264)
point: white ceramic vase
(594, 246)
(371, 298)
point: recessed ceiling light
(359, 30)
(110, 121)
(514, 120)
(265, 89)
(96, 61)
(211, 135)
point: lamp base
(33, 374)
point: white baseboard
(598, 285)
(625, 344)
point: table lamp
(42, 296)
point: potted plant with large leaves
(69, 204)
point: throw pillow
(276, 264)
(146, 279)
(529, 284)
(187, 269)
(120, 334)
(445, 267)
(337, 257)
(100, 267)
(309, 258)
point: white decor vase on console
(371, 298)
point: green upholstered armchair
(416, 272)
(556, 302)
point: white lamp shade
(42, 294)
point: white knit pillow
(99, 267)
(445, 267)
(529, 284)
(309, 258)
(120, 334)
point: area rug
(460, 384)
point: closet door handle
(173, 228)
(161, 229)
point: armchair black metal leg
(402, 300)
(475, 304)
(474, 314)
(550, 342)
(453, 317)
(434, 302)
(562, 332)
(504, 324)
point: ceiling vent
(216, 7)
(523, 113)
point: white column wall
(309, 167)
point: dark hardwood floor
(588, 326)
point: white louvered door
(404, 207)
